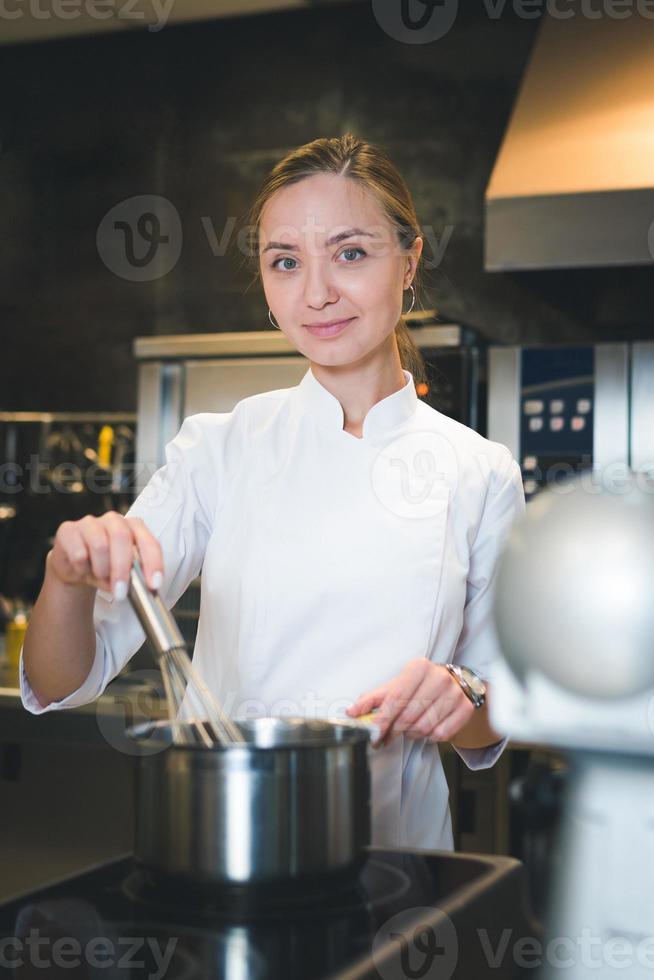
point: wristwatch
(471, 683)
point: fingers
(97, 545)
(400, 692)
(121, 552)
(429, 689)
(446, 729)
(149, 551)
(70, 555)
(437, 696)
(423, 701)
(444, 717)
(364, 704)
(99, 551)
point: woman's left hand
(423, 701)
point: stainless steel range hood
(573, 183)
(41, 21)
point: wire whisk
(194, 713)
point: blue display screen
(557, 396)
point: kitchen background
(198, 113)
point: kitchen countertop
(100, 722)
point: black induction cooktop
(403, 915)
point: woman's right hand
(99, 552)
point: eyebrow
(334, 240)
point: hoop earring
(413, 292)
(275, 325)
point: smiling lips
(329, 329)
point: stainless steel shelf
(43, 417)
(425, 329)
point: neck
(360, 385)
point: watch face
(475, 683)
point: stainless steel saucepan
(291, 802)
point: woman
(346, 531)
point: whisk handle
(160, 628)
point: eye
(282, 258)
(352, 248)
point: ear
(413, 255)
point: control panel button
(529, 463)
(535, 424)
(557, 423)
(533, 406)
(577, 423)
(557, 405)
(583, 406)
(531, 486)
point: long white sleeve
(178, 506)
(478, 645)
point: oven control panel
(556, 414)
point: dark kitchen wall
(197, 114)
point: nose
(318, 287)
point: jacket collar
(382, 417)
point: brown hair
(368, 165)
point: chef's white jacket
(328, 561)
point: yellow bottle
(105, 443)
(14, 636)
